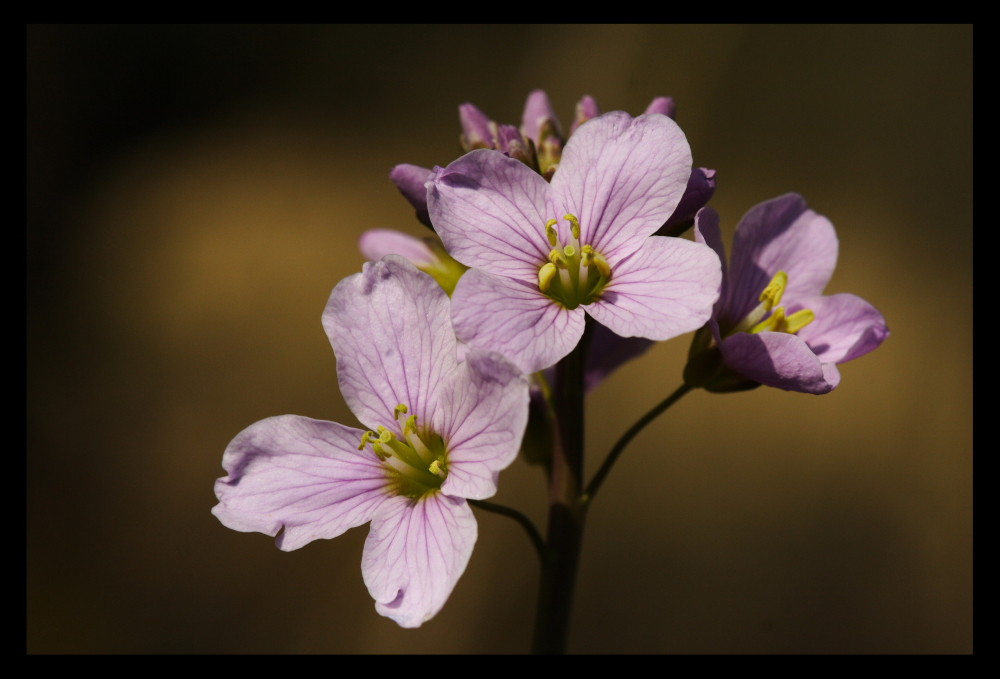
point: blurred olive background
(195, 192)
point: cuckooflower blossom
(439, 432)
(543, 255)
(772, 325)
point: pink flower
(772, 324)
(543, 255)
(440, 431)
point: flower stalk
(561, 554)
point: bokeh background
(195, 192)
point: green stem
(566, 515)
(533, 534)
(626, 438)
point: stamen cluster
(758, 319)
(574, 274)
(416, 464)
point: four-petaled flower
(543, 255)
(772, 323)
(441, 429)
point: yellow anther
(437, 469)
(569, 251)
(365, 438)
(558, 258)
(587, 252)
(380, 451)
(574, 225)
(602, 265)
(799, 320)
(550, 231)
(771, 296)
(411, 425)
(779, 322)
(545, 276)
(400, 409)
(384, 435)
(773, 323)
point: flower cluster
(540, 239)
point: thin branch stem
(529, 527)
(626, 438)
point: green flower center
(574, 274)
(766, 317)
(417, 463)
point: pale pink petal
(415, 553)
(490, 211)
(301, 475)
(514, 319)
(707, 231)
(484, 423)
(377, 243)
(666, 289)
(700, 189)
(537, 110)
(586, 109)
(778, 359)
(664, 106)
(622, 177)
(478, 131)
(411, 181)
(845, 328)
(391, 331)
(781, 234)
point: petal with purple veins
(484, 423)
(415, 553)
(623, 177)
(666, 289)
(490, 211)
(777, 359)
(390, 330)
(845, 328)
(301, 475)
(515, 320)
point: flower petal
(415, 553)
(390, 328)
(700, 189)
(778, 359)
(478, 131)
(306, 476)
(483, 423)
(622, 177)
(845, 328)
(781, 234)
(490, 211)
(664, 106)
(707, 231)
(377, 243)
(513, 319)
(586, 109)
(666, 289)
(537, 111)
(411, 180)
